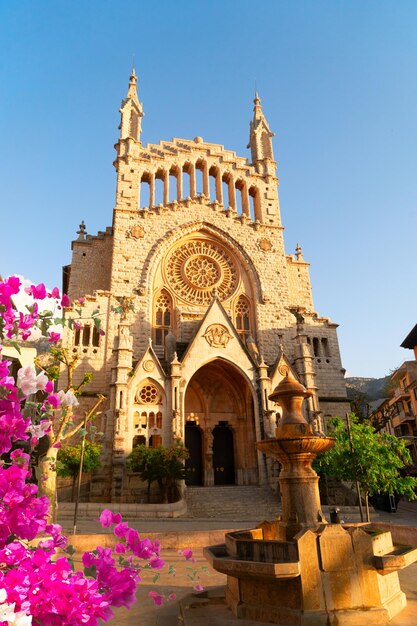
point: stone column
(179, 185)
(245, 201)
(121, 445)
(152, 191)
(219, 190)
(192, 180)
(177, 430)
(166, 187)
(232, 194)
(206, 182)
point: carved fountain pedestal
(299, 570)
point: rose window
(197, 267)
(202, 272)
(148, 395)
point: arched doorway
(223, 455)
(194, 463)
(220, 400)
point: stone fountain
(299, 570)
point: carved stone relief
(217, 336)
(135, 232)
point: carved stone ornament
(198, 267)
(217, 336)
(135, 232)
(283, 369)
(265, 245)
(148, 366)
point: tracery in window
(162, 317)
(242, 317)
(148, 394)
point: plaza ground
(195, 608)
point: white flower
(7, 613)
(68, 398)
(21, 619)
(38, 430)
(29, 382)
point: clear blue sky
(338, 86)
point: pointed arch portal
(220, 428)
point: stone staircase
(234, 503)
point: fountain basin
(334, 576)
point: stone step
(231, 502)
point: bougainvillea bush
(38, 584)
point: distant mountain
(372, 388)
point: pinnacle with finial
(82, 232)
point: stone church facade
(202, 309)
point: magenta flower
(65, 301)
(54, 337)
(55, 293)
(38, 584)
(187, 554)
(156, 597)
(38, 291)
(121, 529)
(54, 400)
(156, 563)
(106, 518)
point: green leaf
(90, 571)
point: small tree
(374, 459)
(68, 461)
(162, 465)
(65, 425)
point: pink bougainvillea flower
(172, 596)
(199, 587)
(121, 529)
(156, 563)
(38, 291)
(54, 337)
(156, 597)
(54, 400)
(119, 548)
(65, 301)
(106, 518)
(49, 387)
(187, 554)
(77, 325)
(54, 293)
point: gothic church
(203, 311)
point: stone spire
(131, 112)
(260, 139)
